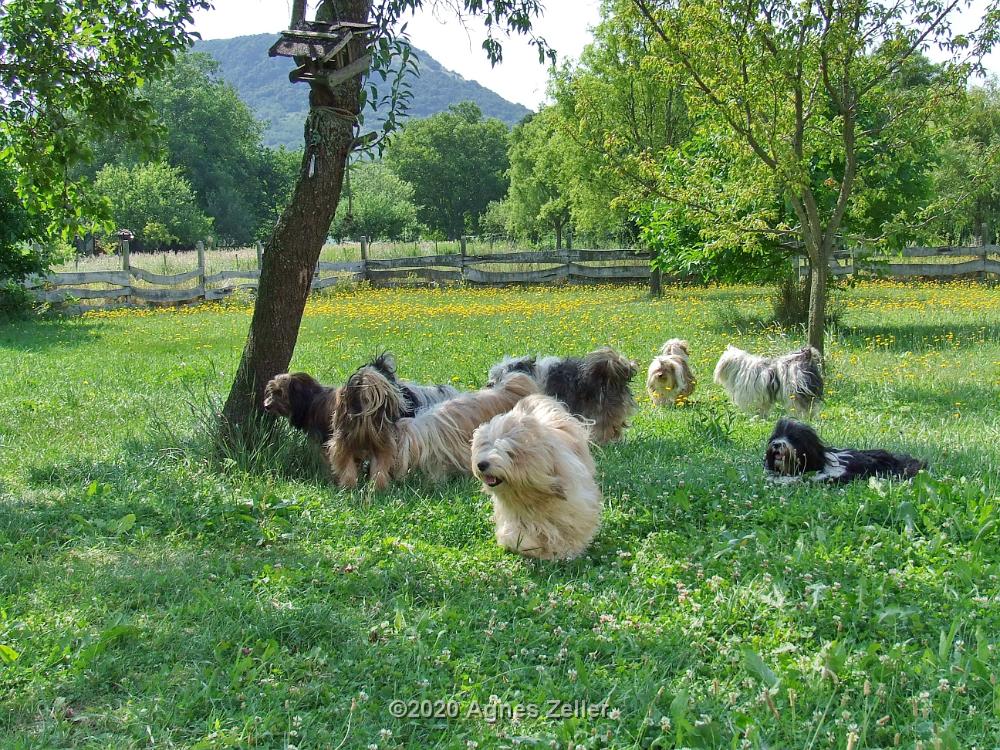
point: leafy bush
(156, 202)
(790, 305)
(681, 250)
(14, 299)
(381, 205)
(18, 257)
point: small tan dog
(436, 441)
(535, 462)
(669, 379)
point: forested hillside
(262, 82)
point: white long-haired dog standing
(535, 463)
(436, 441)
(755, 384)
(669, 379)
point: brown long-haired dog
(365, 411)
(669, 379)
(303, 401)
(437, 441)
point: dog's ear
(299, 400)
(386, 362)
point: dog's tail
(801, 377)
(607, 365)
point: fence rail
(132, 285)
(118, 288)
(846, 263)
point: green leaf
(124, 523)
(756, 666)
(7, 654)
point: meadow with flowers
(154, 593)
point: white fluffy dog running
(669, 379)
(535, 462)
(756, 383)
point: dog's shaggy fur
(595, 387)
(436, 441)
(535, 462)
(362, 423)
(795, 449)
(669, 379)
(303, 401)
(756, 383)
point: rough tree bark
(293, 249)
(818, 274)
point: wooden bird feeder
(331, 53)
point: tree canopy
(807, 98)
(379, 205)
(71, 73)
(205, 129)
(156, 202)
(458, 162)
(539, 194)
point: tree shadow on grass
(47, 333)
(919, 337)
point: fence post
(260, 255)
(463, 248)
(364, 258)
(200, 247)
(655, 282)
(126, 267)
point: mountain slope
(262, 82)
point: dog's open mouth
(491, 481)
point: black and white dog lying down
(795, 449)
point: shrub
(790, 306)
(18, 256)
(381, 204)
(156, 202)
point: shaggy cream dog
(436, 441)
(756, 384)
(669, 378)
(535, 462)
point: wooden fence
(131, 285)
(978, 261)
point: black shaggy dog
(303, 401)
(795, 449)
(595, 387)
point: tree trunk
(558, 236)
(293, 249)
(655, 282)
(819, 271)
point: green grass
(153, 597)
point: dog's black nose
(483, 465)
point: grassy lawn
(151, 597)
